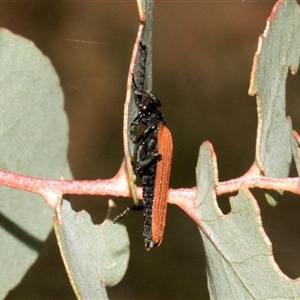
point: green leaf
(95, 256)
(296, 150)
(278, 50)
(240, 263)
(130, 108)
(33, 141)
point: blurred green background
(203, 52)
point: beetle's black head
(149, 104)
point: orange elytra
(161, 184)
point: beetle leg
(126, 211)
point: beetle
(153, 161)
(153, 166)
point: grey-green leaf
(296, 150)
(95, 256)
(136, 69)
(33, 141)
(240, 263)
(278, 50)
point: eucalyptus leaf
(240, 262)
(138, 66)
(296, 150)
(278, 50)
(95, 256)
(33, 141)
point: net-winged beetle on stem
(153, 161)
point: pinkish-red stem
(52, 190)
